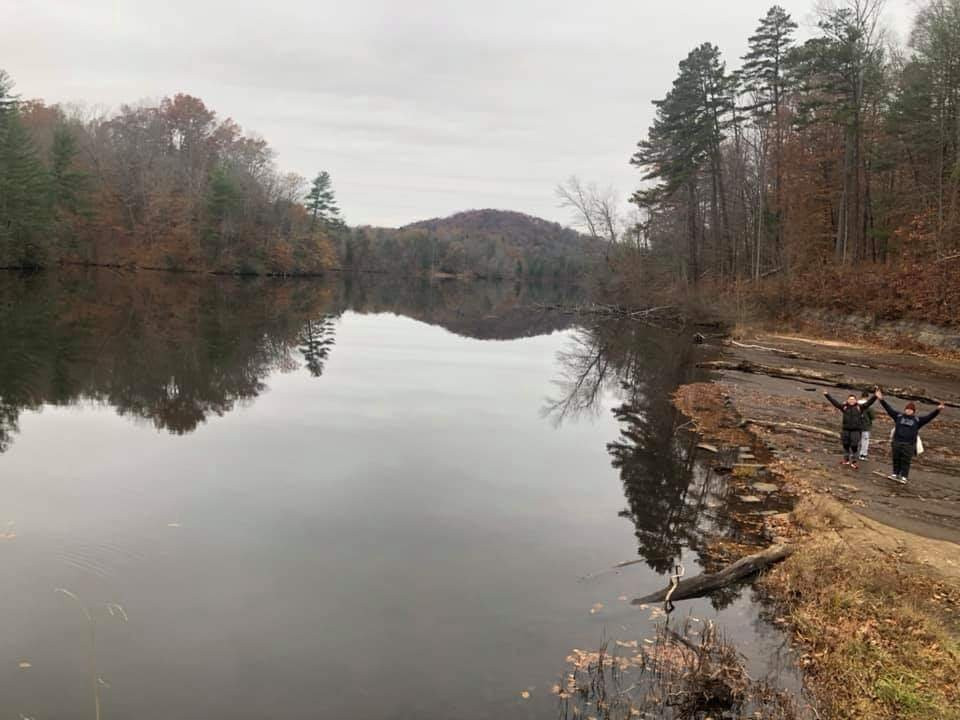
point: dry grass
(880, 635)
(874, 611)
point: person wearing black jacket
(853, 424)
(906, 430)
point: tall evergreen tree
(68, 185)
(24, 198)
(928, 110)
(321, 203)
(766, 80)
(684, 142)
(841, 73)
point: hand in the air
(941, 406)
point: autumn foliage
(168, 186)
(824, 172)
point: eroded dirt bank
(872, 594)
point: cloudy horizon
(416, 112)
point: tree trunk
(708, 582)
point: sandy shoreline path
(872, 593)
(930, 505)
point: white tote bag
(919, 442)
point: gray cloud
(417, 108)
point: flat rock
(765, 487)
(848, 488)
(708, 448)
(750, 499)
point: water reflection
(675, 500)
(174, 350)
(316, 341)
(392, 516)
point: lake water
(236, 499)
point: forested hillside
(167, 186)
(477, 243)
(811, 163)
(172, 186)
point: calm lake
(226, 498)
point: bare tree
(594, 210)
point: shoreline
(871, 596)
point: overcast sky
(417, 108)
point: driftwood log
(790, 427)
(794, 355)
(818, 377)
(708, 582)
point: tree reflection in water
(316, 341)
(174, 349)
(674, 502)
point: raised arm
(890, 411)
(871, 401)
(833, 402)
(930, 416)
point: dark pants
(902, 457)
(851, 444)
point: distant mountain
(477, 243)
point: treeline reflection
(680, 507)
(173, 350)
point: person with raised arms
(906, 432)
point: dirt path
(930, 505)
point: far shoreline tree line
(810, 157)
(171, 186)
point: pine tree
(24, 189)
(684, 142)
(68, 185)
(765, 78)
(322, 204)
(841, 74)
(927, 111)
(222, 198)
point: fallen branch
(796, 427)
(828, 379)
(794, 355)
(708, 582)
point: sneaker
(893, 476)
(844, 462)
(864, 457)
(902, 480)
(854, 466)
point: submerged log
(817, 377)
(708, 582)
